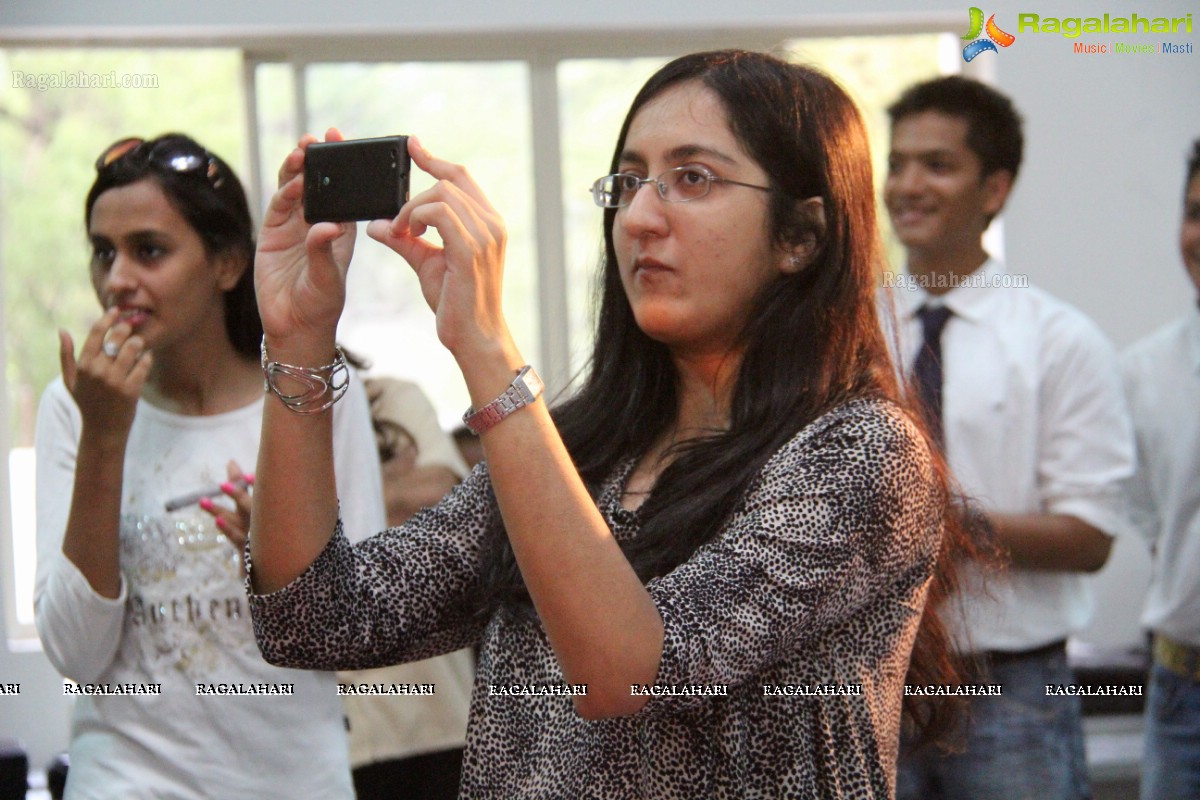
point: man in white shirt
(1162, 379)
(1023, 391)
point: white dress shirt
(1162, 380)
(1035, 423)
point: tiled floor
(1114, 749)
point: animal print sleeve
(402, 595)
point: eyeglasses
(171, 155)
(678, 185)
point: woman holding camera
(143, 508)
(733, 511)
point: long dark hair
(213, 203)
(813, 340)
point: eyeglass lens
(677, 185)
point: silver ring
(111, 349)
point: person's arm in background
(1087, 454)
(426, 463)
(1059, 542)
(83, 429)
(1140, 489)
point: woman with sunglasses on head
(143, 507)
(733, 511)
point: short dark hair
(1193, 164)
(214, 206)
(993, 124)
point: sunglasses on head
(171, 155)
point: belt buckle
(1177, 657)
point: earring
(795, 261)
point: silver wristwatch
(524, 389)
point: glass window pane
(276, 112)
(475, 114)
(594, 96)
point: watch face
(532, 383)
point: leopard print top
(802, 612)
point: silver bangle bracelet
(322, 386)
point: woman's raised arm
(300, 280)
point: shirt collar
(970, 301)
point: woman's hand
(462, 279)
(107, 378)
(300, 269)
(233, 522)
(105, 381)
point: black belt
(997, 657)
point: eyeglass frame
(663, 187)
(208, 166)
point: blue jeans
(1171, 768)
(1022, 745)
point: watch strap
(525, 388)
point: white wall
(1094, 217)
(1096, 212)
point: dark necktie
(927, 369)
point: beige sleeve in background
(404, 403)
(383, 728)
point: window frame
(542, 51)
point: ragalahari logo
(994, 37)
